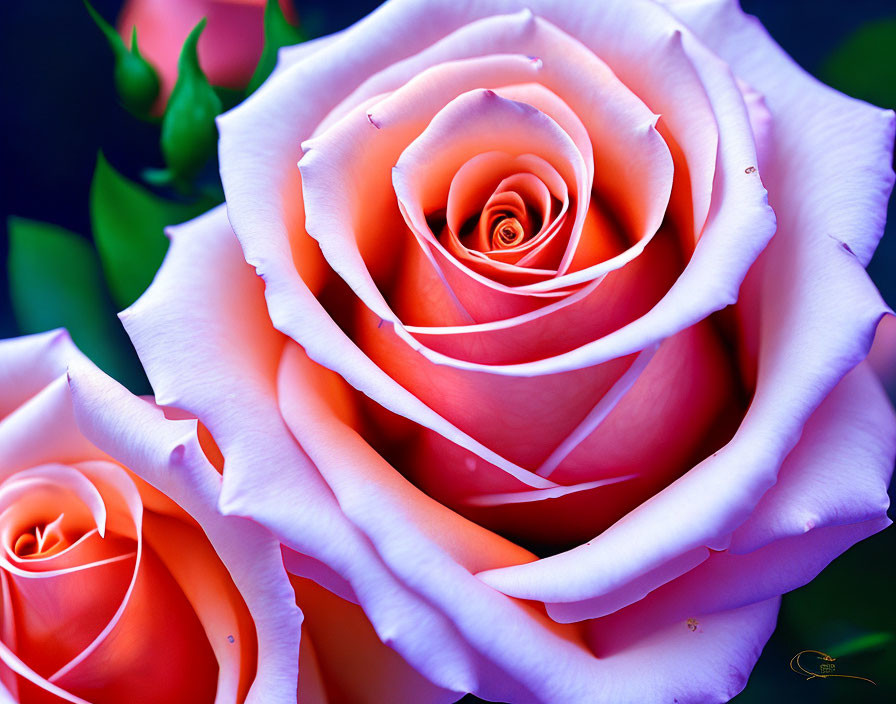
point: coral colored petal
(368, 670)
(308, 393)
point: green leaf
(861, 644)
(189, 134)
(128, 228)
(135, 79)
(864, 65)
(55, 281)
(278, 32)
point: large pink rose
(555, 359)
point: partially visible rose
(229, 47)
(119, 580)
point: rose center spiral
(507, 232)
(40, 540)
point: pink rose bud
(229, 48)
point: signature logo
(814, 663)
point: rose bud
(541, 328)
(229, 48)
(120, 580)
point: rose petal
(496, 407)
(29, 363)
(368, 671)
(565, 324)
(289, 55)
(308, 394)
(25, 440)
(837, 474)
(728, 581)
(818, 131)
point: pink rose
(229, 47)
(535, 369)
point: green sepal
(278, 32)
(189, 134)
(55, 281)
(128, 229)
(135, 79)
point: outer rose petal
(24, 441)
(289, 55)
(28, 364)
(828, 138)
(838, 473)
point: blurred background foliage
(82, 168)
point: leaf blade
(55, 281)
(128, 228)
